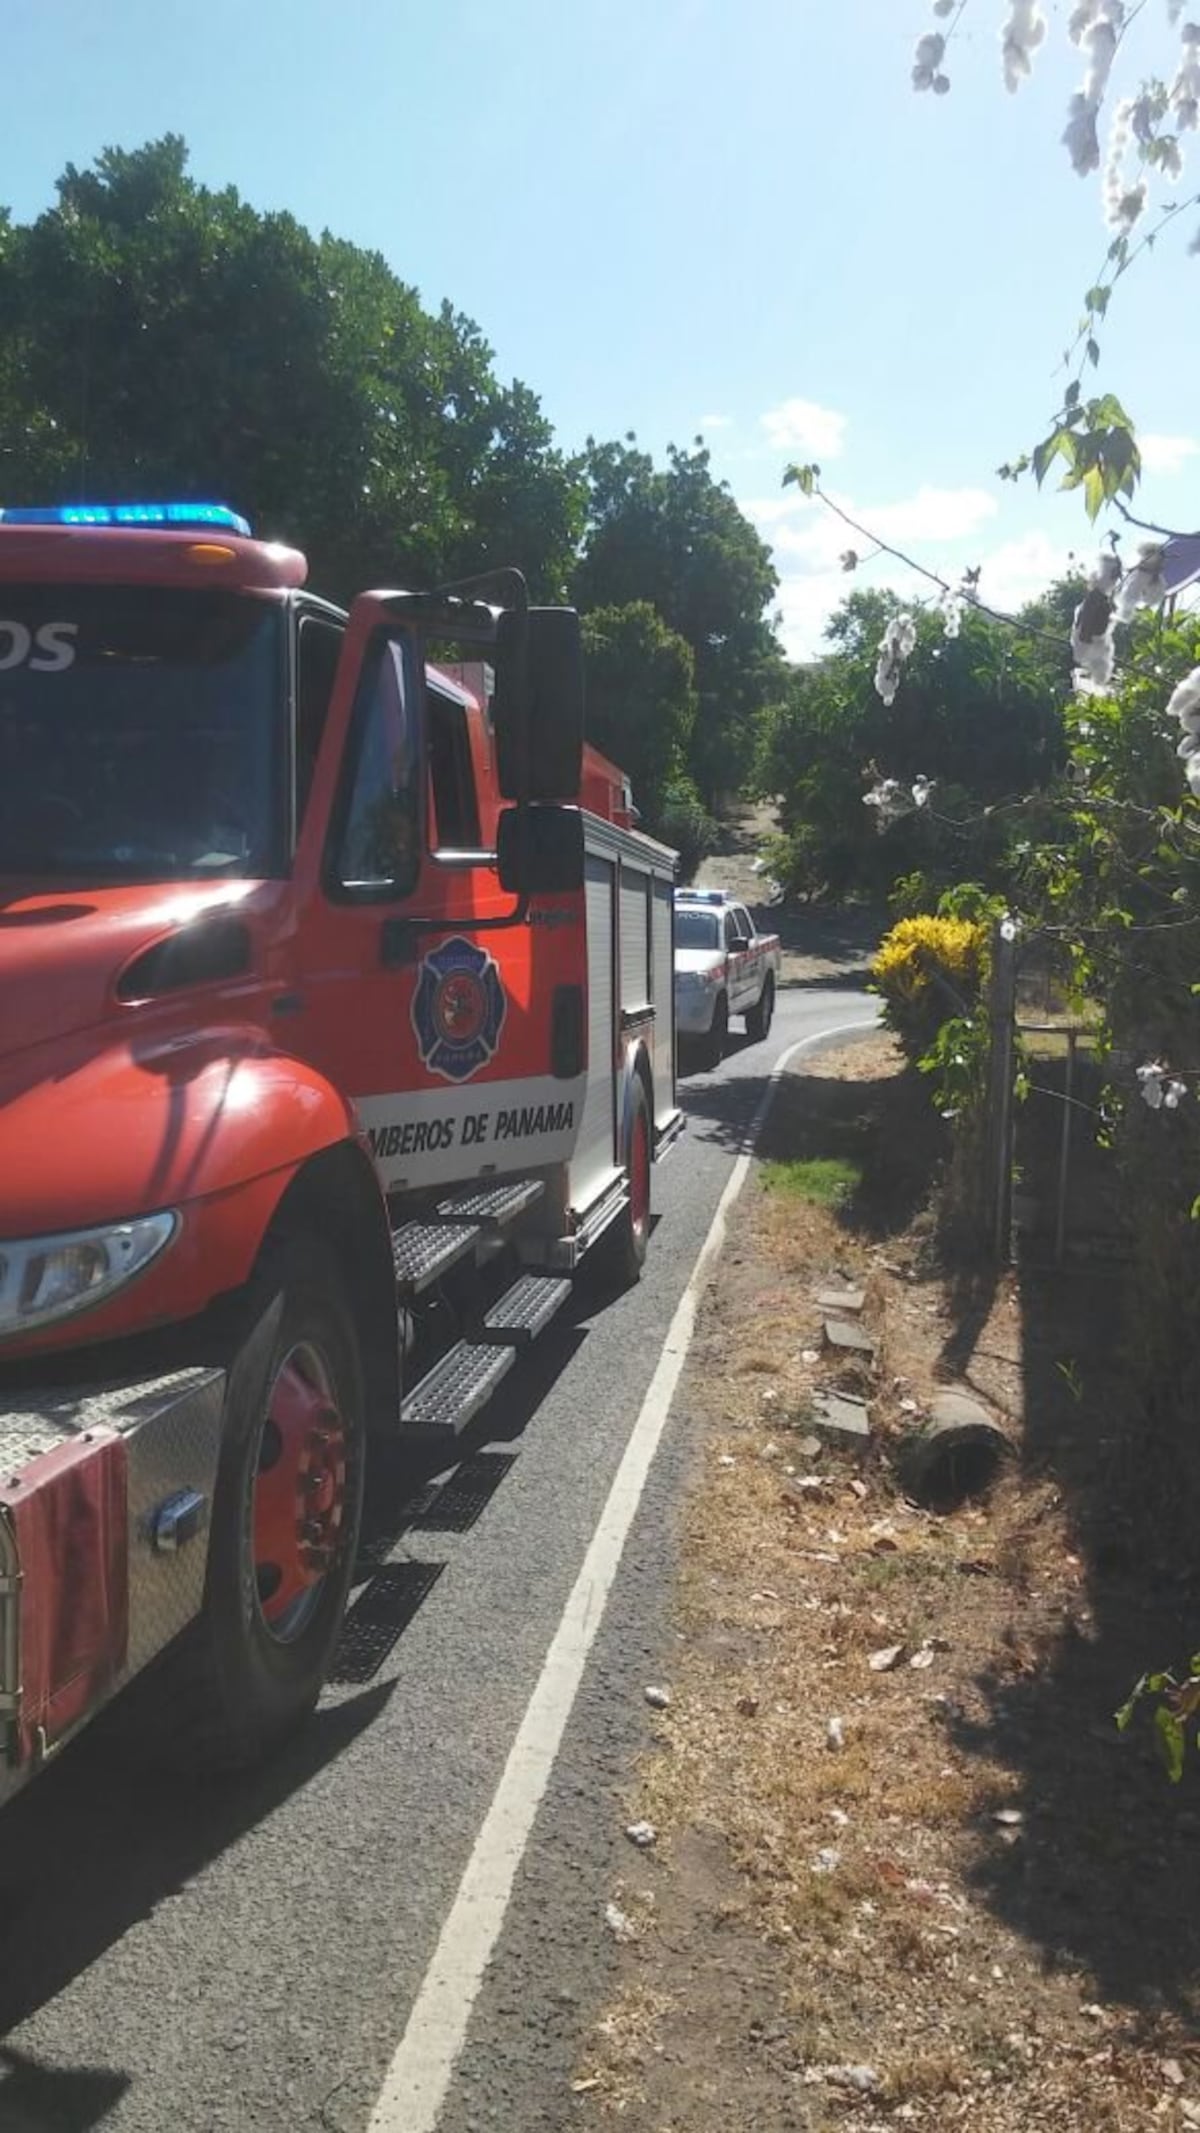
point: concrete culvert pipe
(956, 1453)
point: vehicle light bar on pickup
(177, 518)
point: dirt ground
(820, 944)
(904, 1870)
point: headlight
(45, 1278)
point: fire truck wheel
(286, 1511)
(758, 1019)
(714, 1043)
(631, 1232)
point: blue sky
(675, 215)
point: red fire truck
(337, 1030)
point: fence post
(1002, 1003)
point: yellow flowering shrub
(929, 970)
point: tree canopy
(977, 714)
(161, 338)
(675, 537)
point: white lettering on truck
(50, 651)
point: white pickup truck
(723, 967)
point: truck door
(445, 1034)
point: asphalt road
(246, 1956)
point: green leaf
(1124, 1717)
(1071, 396)
(1171, 1742)
(1093, 352)
(804, 478)
(1094, 496)
(1097, 299)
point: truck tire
(286, 1514)
(759, 1019)
(620, 1254)
(714, 1043)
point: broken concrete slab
(836, 1300)
(844, 1334)
(842, 1421)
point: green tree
(641, 698)
(160, 338)
(980, 714)
(675, 537)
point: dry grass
(861, 1904)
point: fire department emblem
(458, 1009)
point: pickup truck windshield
(141, 733)
(696, 929)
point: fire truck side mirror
(539, 850)
(537, 709)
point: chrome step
(455, 1389)
(492, 1206)
(422, 1251)
(525, 1310)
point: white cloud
(931, 515)
(798, 528)
(716, 422)
(1012, 573)
(1020, 569)
(1166, 455)
(803, 426)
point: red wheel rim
(639, 1173)
(299, 1492)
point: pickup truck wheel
(286, 1514)
(714, 1043)
(759, 1019)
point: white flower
(1092, 627)
(921, 789)
(1008, 928)
(1100, 43)
(1150, 1085)
(1080, 138)
(1022, 34)
(927, 60)
(1172, 1094)
(1184, 701)
(896, 644)
(1126, 207)
(1144, 585)
(1191, 771)
(1184, 92)
(950, 609)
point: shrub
(928, 971)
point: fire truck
(338, 1031)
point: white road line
(419, 2075)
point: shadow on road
(44, 2099)
(104, 1837)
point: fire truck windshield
(141, 733)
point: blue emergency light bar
(178, 517)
